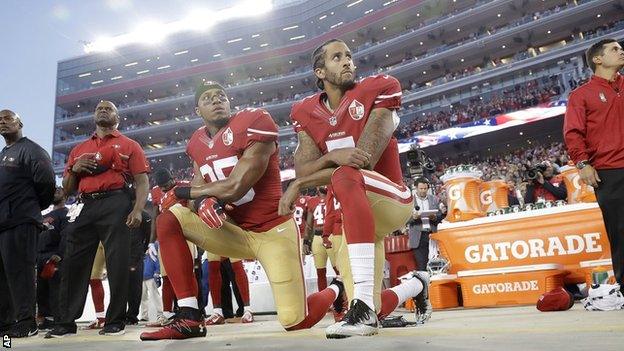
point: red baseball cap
(555, 300)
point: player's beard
(106, 123)
(338, 81)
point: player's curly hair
(318, 59)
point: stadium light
(198, 20)
(150, 33)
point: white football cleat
(360, 320)
(423, 309)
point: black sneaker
(4, 329)
(112, 330)
(24, 329)
(339, 304)
(130, 321)
(359, 320)
(46, 324)
(60, 331)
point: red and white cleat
(247, 317)
(188, 323)
(178, 329)
(215, 319)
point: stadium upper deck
(440, 50)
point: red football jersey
(333, 216)
(157, 193)
(316, 205)
(343, 127)
(301, 208)
(216, 157)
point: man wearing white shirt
(425, 218)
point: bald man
(101, 169)
(26, 187)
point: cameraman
(546, 185)
(420, 227)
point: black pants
(421, 253)
(135, 274)
(100, 220)
(610, 195)
(18, 256)
(48, 292)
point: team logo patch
(356, 110)
(228, 137)
(333, 120)
(210, 144)
(98, 156)
(602, 96)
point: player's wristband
(183, 192)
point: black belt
(101, 194)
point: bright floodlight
(103, 44)
(248, 8)
(198, 20)
(150, 33)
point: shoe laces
(358, 313)
(179, 325)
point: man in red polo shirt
(594, 134)
(100, 169)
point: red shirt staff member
(99, 168)
(594, 135)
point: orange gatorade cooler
(515, 285)
(494, 195)
(577, 190)
(463, 195)
(443, 291)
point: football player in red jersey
(345, 139)
(235, 158)
(214, 261)
(317, 205)
(300, 214)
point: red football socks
(167, 294)
(176, 256)
(241, 281)
(97, 294)
(214, 282)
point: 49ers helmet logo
(356, 110)
(228, 137)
